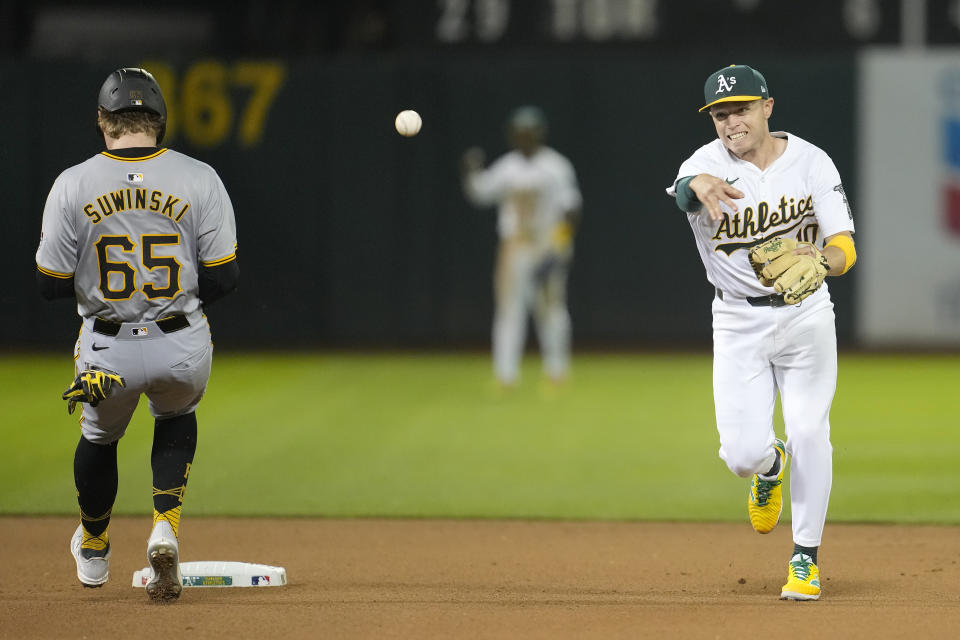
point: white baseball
(408, 123)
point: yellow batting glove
(91, 386)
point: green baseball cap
(528, 117)
(736, 83)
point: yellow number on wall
(201, 105)
(207, 112)
(265, 78)
(167, 79)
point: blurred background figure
(535, 190)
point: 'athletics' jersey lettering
(798, 196)
(763, 223)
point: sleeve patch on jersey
(846, 203)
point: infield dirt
(374, 578)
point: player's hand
(473, 160)
(712, 191)
(91, 386)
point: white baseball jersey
(534, 193)
(800, 195)
(133, 232)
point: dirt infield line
(372, 578)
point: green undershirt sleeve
(686, 198)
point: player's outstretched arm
(711, 191)
(483, 186)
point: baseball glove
(91, 386)
(796, 276)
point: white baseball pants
(522, 286)
(793, 349)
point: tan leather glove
(794, 275)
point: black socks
(95, 476)
(809, 551)
(174, 444)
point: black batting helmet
(132, 89)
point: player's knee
(183, 419)
(745, 462)
(744, 471)
(95, 433)
(99, 438)
(178, 432)
(808, 435)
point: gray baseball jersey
(133, 231)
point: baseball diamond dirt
(374, 578)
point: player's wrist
(687, 199)
(841, 253)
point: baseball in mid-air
(408, 123)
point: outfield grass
(631, 437)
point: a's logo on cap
(725, 84)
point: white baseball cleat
(93, 567)
(163, 553)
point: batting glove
(91, 386)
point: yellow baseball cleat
(803, 582)
(765, 500)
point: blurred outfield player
(535, 190)
(760, 204)
(144, 238)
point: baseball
(408, 123)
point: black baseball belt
(168, 324)
(772, 300)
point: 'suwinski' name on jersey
(130, 199)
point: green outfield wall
(353, 236)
